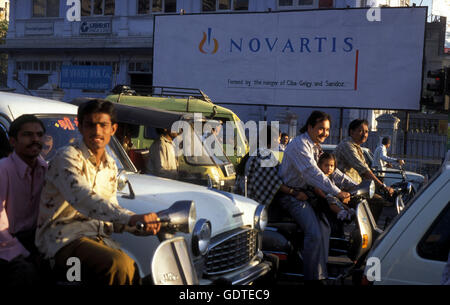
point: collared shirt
(162, 160)
(350, 159)
(20, 189)
(380, 158)
(263, 181)
(78, 200)
(299, 166)
(10, 247)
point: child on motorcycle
(327, 164)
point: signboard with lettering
(86, 77)
(39, 28)
(323, 58)
(95, 27)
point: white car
(414, 249)
(392, 175)
(234, 251)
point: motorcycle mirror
(365, 188)
(399, 203)
(180, 216)
(121, 180)
(409, 187)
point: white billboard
(324, 58)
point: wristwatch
(293, 192)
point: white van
(234, 251)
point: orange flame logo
(207, 38)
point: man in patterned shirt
(261, 170)
(351, 161)
(79, 209)
(299, 168)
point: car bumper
(244, 276)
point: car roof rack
(144, 90)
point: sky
(429, 3)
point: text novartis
(316, 44)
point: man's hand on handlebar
(389, 189)
(344, 197)
(151, 222)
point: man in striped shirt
(299, 168)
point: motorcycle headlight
(371, 189)
(260, 218)
(201, 237)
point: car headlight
(260, 218)
(201, 237)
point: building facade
(51, 56)
(49, 53)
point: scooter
(172, 263)
(283, 238)
(404, 191)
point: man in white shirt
(298, 169)
(162, 159)
(381, 159)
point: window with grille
(115, 65)
(298, 4)
(156, 6)
(224, 5)
(139, 66)
(45, 8)
(35, 81)
(97, 7)
(48, 66)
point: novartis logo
(206, 45)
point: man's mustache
(95, 137)
(39, 145)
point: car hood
(224, 210)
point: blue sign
(86, 77)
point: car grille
(232, 251)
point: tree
(3, 56)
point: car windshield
(62, 130)
(216, 152)
(196, 153)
